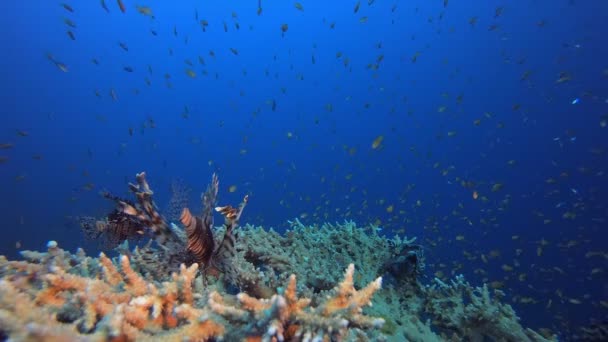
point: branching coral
(315, 253)
(150, 301)
(113, 303)
(473, 313)
(287, 317)
(45, 299)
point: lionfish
(132, 220)
(199, 230)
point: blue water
(312, 156)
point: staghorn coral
(596, 330)
(474, 313)
(314, 253)
(260, 261)
(47, 295)
(287, 317)
(45, 300)
(412, 311)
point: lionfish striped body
(200, 237)
(199, 230)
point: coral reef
(473, 312)
(457, 311)
(195, 281)
(59, 296)
(596, 330)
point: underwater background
(478, 127)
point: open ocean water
(479, 127)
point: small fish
(415, 57)
(357, 5)
(71, 35)
(298, 6)
(67, 7)
(3, 159)
(190, 73)
(284, 28)
(145, 10)
(113, 94)
(377, 142)
(88, 187)
(234, 51)
(575, 101)
(104, 6)
(525, 75)
(6, 146)
(69, 22)
(121, 5)
(61, 66)
(498, 12)
(128, 69)
(123, 46)
(204, 24)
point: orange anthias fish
(123, 9)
